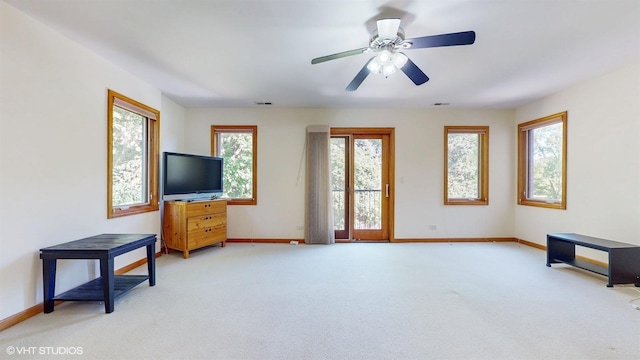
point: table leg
(106, 272)
(151, 264)
(49, 283)
(560, 251)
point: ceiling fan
(386, 42)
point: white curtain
(319, 209)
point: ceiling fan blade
(414, 73)
(360, 76)
(339, 55)
(460, 38)
(388, 28)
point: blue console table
(624, 259)
(105, 248)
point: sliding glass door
(361, 183)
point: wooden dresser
(190, 225)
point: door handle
(387, 190)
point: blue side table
(105, 248)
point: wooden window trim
(214, 150)
(523, 160)
(483, 199)
(153, 137)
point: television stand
(190, 225)
(624, 259)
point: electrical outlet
(433, 227)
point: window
(238, 146)
(132, 156)
(466, 173)
(542, 162)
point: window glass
(130, 169)
(545, 157)
(339, 181)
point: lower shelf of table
(93, 290)
(584, 265)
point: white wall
(53, 181)
(603, 165)
(171, 126)
(418, 159)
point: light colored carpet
(349, 301)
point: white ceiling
(239, 52)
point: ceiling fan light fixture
(387, 62)
(388, 69)
(374, 66)
(384, 57)
(399, 59)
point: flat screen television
(188, 177)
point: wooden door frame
(350, 131)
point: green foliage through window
(237, 149)
(129, 158)
(545, 170)
(464, 166)
(367, 178)
(338, 181)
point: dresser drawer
(206, 207)
(207, 236)
(211, 221)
